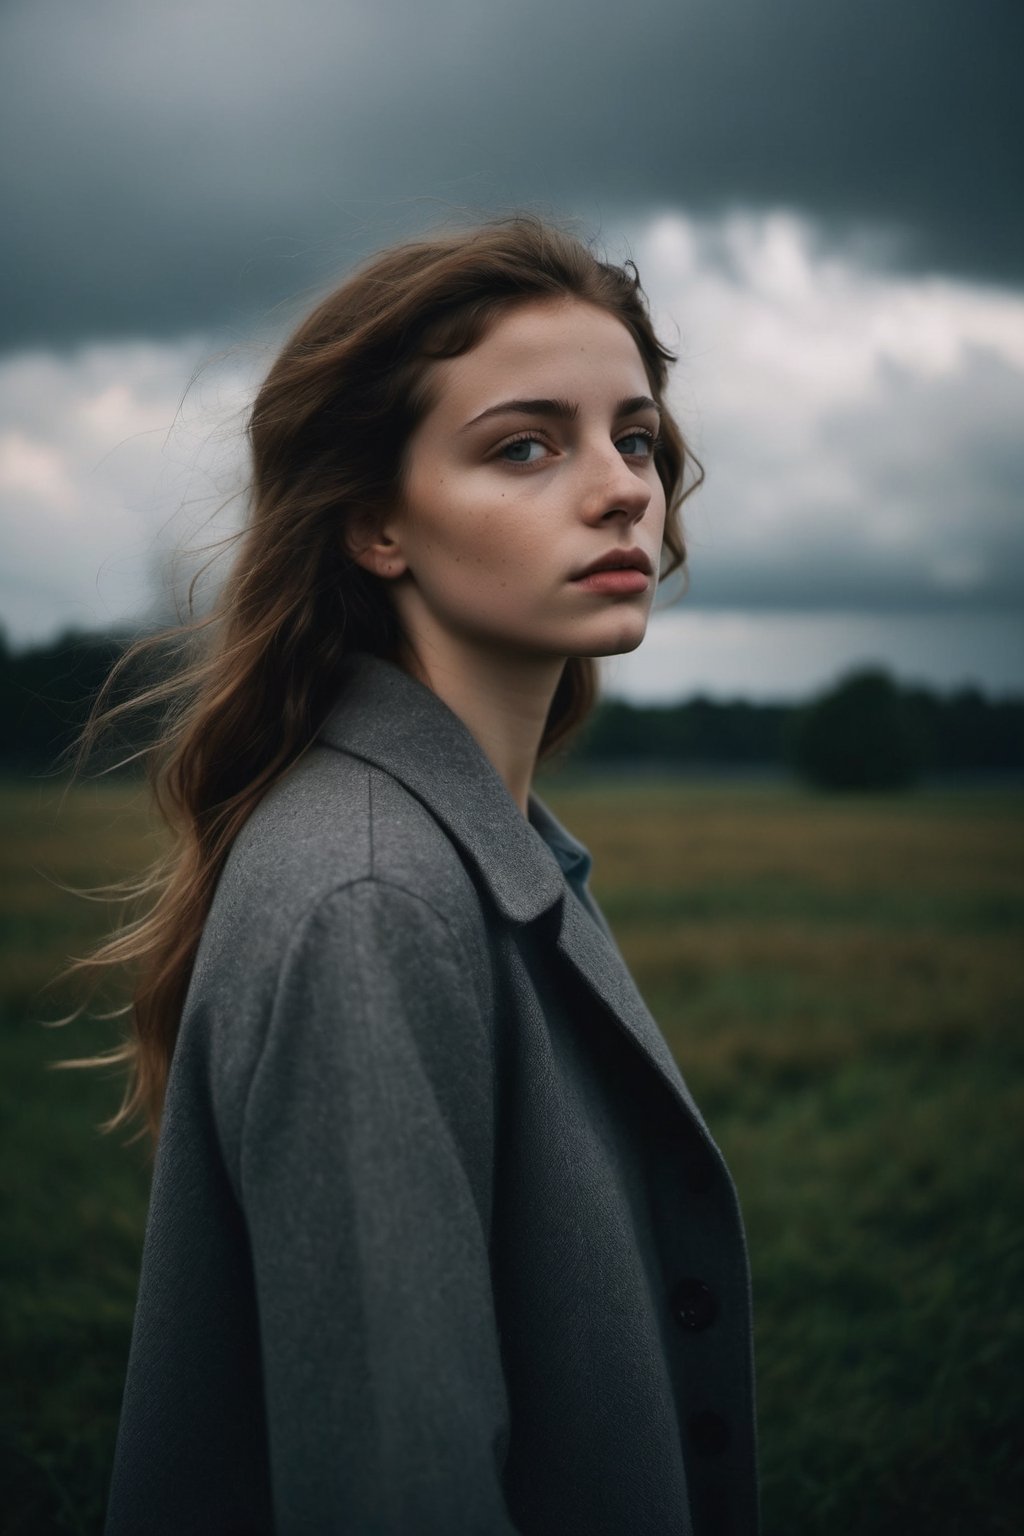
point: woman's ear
(375, 549)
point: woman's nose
(614, 488)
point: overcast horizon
(823, 205)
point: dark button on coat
(427, 1175)
(694, 1304)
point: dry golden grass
(666, 836)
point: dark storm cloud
(169, 167)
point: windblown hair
(328, 431)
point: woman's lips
(615, 581)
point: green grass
(73, 1202)
(841, 981)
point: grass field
(842, 983)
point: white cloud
(860, 431)
(860, 428)
(109, 462)
(36, 471)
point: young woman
(438, 1240)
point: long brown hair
(327, 431)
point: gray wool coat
(438, 1242)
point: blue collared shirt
(573, 857)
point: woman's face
(536, 459)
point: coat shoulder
(333, 824)
(332, 821)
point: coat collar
(388, 718)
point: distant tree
(46, 693)
(862, 734)
(870, 734)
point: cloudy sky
(823, 202)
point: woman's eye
(519, 451)
(636, 445)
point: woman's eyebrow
(565, 410)
(634, 403)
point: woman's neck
(502, 700)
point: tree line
(865, 732)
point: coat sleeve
(367, 1142)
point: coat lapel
(387, 718)
(597, 961)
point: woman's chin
(627, 637)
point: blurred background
(820, 889)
